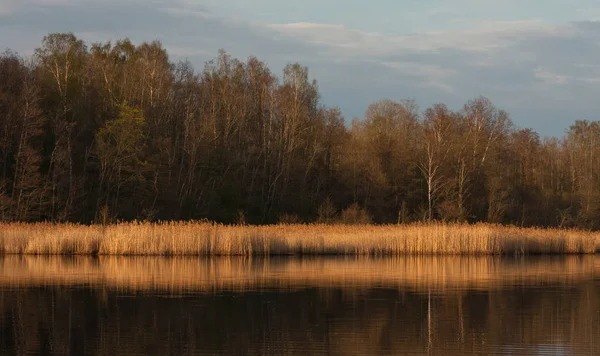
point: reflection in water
(339, 306)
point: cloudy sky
(537, 59)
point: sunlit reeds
(207, 239)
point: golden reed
(209, 239)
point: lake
(297, 306)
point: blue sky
(539, 60)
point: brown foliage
(118, 125)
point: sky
(538, 60)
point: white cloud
(492, 58)
(551, 78)
(486, 37)
(426, 75)
(334, 35)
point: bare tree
(61, 59)
(437, 124)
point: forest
(117, 132)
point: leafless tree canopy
(117, 131)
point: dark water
(340, 306)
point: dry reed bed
(183, 274)
(195, 239)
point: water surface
(288, 306)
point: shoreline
(210, 239)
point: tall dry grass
(199, 238)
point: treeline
(118, 131)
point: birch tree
(437, 126)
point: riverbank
(200, 238)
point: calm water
(288, 306)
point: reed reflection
(338, 306)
